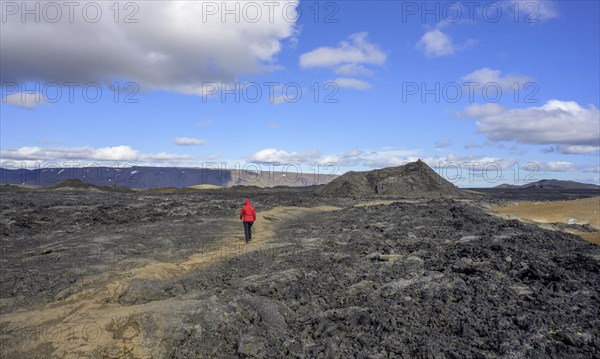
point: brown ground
(414, 278)
(580, 211)
(99, 304)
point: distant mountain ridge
(551, 184)
(140, 177)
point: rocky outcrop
(414, 179)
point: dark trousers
(248, 230)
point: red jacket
(248, 214)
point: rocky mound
(414, 179)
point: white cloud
(531, 11)
(189, 48)
(353, 70)
(386, 157)
(389, 158)
(117, 153)
(486, 75)
(435, 43)
(273, 155)
(346, 82)
(25, 100)
(356, 50)
(87, 154)
(187, 141)
(556, 122)
(557, 166)
(278, 97)
(273, 125)
(477, 111)
(348, 59)
(356, 157)
(472, 162)
(577, 149)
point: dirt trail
(375, 203)
(387, 202)
(93, 320)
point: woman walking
(248, 216)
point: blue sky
(503, 91)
